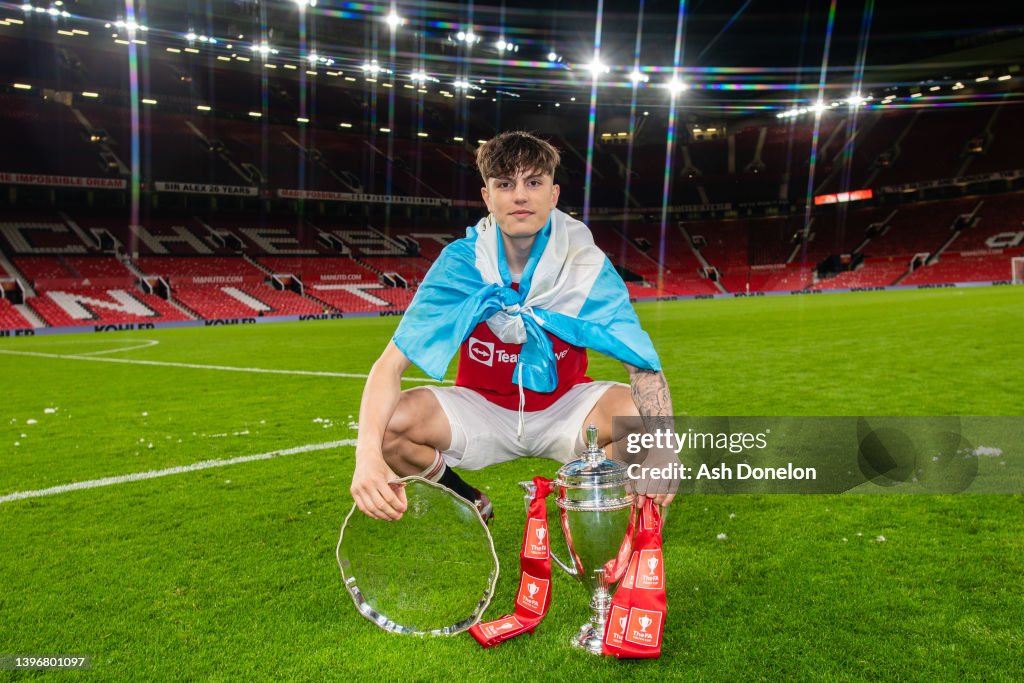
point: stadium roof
(729, 55)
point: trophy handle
(530, 490)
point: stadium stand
(356, 298)
(750, 255)
(281, 236)
(88, 306)
(319, 269)
(1004, 148)
(243, 301)
(1000, 220)
(773, 240)
(39, 269)
(41, 233)
(97, 267)
(957, 268)
(840, 231)
(427, 238)
(11, 318)
(873, 273)
(724, 244)
(635, 250)
(183, 270)
(397, 297)
(282, 302)
(159, 233)
(933, 146)
(43, 136)
(412, 268)
(916, 228)
(788, 279)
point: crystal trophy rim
(383, 621)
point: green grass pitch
(229, 573)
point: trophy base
(589, 639)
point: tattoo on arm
(652, 398)
(653, 401)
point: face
(522, 204)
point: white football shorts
(485, 434)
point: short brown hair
(514, 151)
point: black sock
(455, 483)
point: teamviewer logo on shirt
(481, 351)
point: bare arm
(654, 402)
(370, 489)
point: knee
(615, 414)
(406, 422)
(619, 412)
(622, 419)
(401, 419)
(399, 426)
(616, 402)
(625, 405)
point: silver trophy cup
(595, 509)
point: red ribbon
(534, 595)
(636, 620)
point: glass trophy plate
(432, 572)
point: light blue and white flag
(569, 288)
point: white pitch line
(135, 344)
(147, 343)
(153, 474)
(197, 366)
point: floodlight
(637, 77)
(597, 67)
(676, 86)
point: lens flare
(666, 185)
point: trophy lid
(592, 470)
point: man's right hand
(373, 491)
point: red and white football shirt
(487, 366)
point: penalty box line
(199, 366)
(182, 469)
